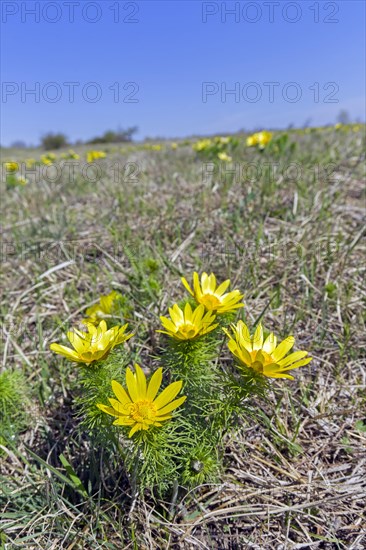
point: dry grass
(294, 246)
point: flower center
(210, 301)
(143, 410)
(188, 330)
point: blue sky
(168, 66)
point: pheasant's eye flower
(139, 407)
(260, 138)
(94, 155)
(106, 307)
(11, 166)
(265, 356)
(94, 345)
(224, 156)
(252, 140)
(264, 138)
(21, 180)
(214, 299)
(188, 324)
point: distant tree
(53, 141)
(119, 136)
(343, 117)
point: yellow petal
(222, 288)
(67, 352)
(168, 408)
(168, 324)
(154, 384)
(120, 393)
(298, 364)
(106, 409)
(140, 382)
(186, 285)
(188, 312)
(270, 343)
(132, 385)
(257, 341)
(176, 314)
(283, 348)
(168, 394)
(196, 286)
(292, 358)
(120, 408)
(136, 428)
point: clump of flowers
(91, 156)
(11, 167)
(12, 178)
(224, 157)
(259, 139)
(48, 159)
(162, 438)
(70, 155)
(218, 147)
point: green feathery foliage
(14, 404)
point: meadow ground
(287, 229)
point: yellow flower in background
(224, 156)
(91, 156)
(11, 166)
(30, 162)
(94, 345)
(21, 180)
(106, 307)
(213, 297)
(202, 144)
(264, 138)
(252, 140)
(70, 155)
(265, 356)
(138, 407)
(174, 145)
(188, 324)
(260, 138)
(48, 158)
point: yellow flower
(224, 156)
(21, 180)
(94, 345)
(11, 166)
(264, 138)
(30, 163)
(251, 140)
(188, 324)
(174, 145)
(260, 138)
(214, 299)
(265, 357)
(106, 307)
(48, 159)
(202, 144)
(140, 408)
(91, 156)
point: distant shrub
(120, 136)
(53, 141)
